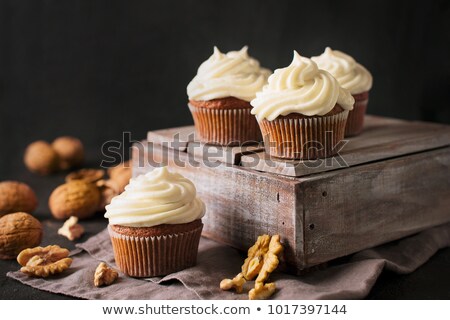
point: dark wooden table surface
(431, 281)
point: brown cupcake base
(155, 251)
(355, 121)
(306, 138)
(226, 123)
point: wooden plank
(349, 210)
(382, 138)
(183, 139)
(230, 155)
(175, 138)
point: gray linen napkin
(351, 278)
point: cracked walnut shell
(108, 190)
(119, 169)
(121, 175)
(104, 275)
(18, 231)
(74, 198)
(44, 261)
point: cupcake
(220, 95)
(155, 224)
(302, 111)
(353, 77)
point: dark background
(94, 69)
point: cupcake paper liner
(355, 121)
(226, 127)
(155, 256)
(304, 138)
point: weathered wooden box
(391, 181)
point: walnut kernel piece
(253, 264)
(42, 262)
(104, 275)
(88, 175)
(262, 291)
(261, 261)
(270, 261)
(71, 229)
(237, 283)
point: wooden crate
(396, 182)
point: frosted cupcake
(155, 224)
(353, 77)
(302, 111)
(220, 95)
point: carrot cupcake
(302, 111)
(155, 224)
(353, 77)
(220, 95)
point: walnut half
(262, 260)
(104, 275)
(42, 262)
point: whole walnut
(70, 151)
(18, 231)
(41, 158)
(75, 198)
(16, 196)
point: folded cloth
(351, 278)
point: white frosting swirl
(158, 197)
(234, 74)
(300, 88)
(350, 74)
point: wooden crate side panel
(361, 207)
(300, 262)
(241, 204)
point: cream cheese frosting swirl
(300, 88)
(350, 74)
(234, 74)
(158, 197)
